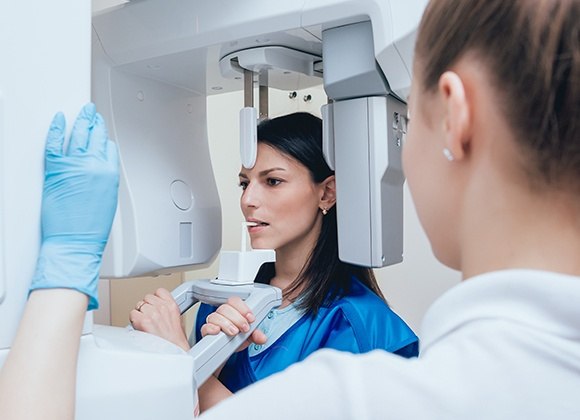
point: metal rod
(248, 88)
(263, 95)
(263, 102)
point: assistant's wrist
(69, 258)
(69, 266)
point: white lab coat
(503, 345)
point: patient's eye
(273, 182)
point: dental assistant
(79, 200)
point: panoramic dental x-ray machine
(150, 69)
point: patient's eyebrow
(262, 173)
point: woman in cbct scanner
(288, 199)
(492, 158)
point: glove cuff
(69, 266)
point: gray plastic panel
(369, 180)
(350, 69)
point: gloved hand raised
(78, 204)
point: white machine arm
(153, 69)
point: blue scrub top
(357, 323)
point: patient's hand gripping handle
(213, 350)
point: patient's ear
(328, 196)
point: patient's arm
(211, 393)
(159, 314)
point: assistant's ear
(328, 197)
(457, 117)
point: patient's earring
(447, 153)
(324, 211)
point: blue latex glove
(78, 204)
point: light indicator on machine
(185, 239)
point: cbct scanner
(151, 66)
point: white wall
(409, 287)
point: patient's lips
(255, 225)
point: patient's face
(279, 195)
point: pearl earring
(324, 212)
(447, 153)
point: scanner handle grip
(213, 350)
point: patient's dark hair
(324, 278)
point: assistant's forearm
(39, 377)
